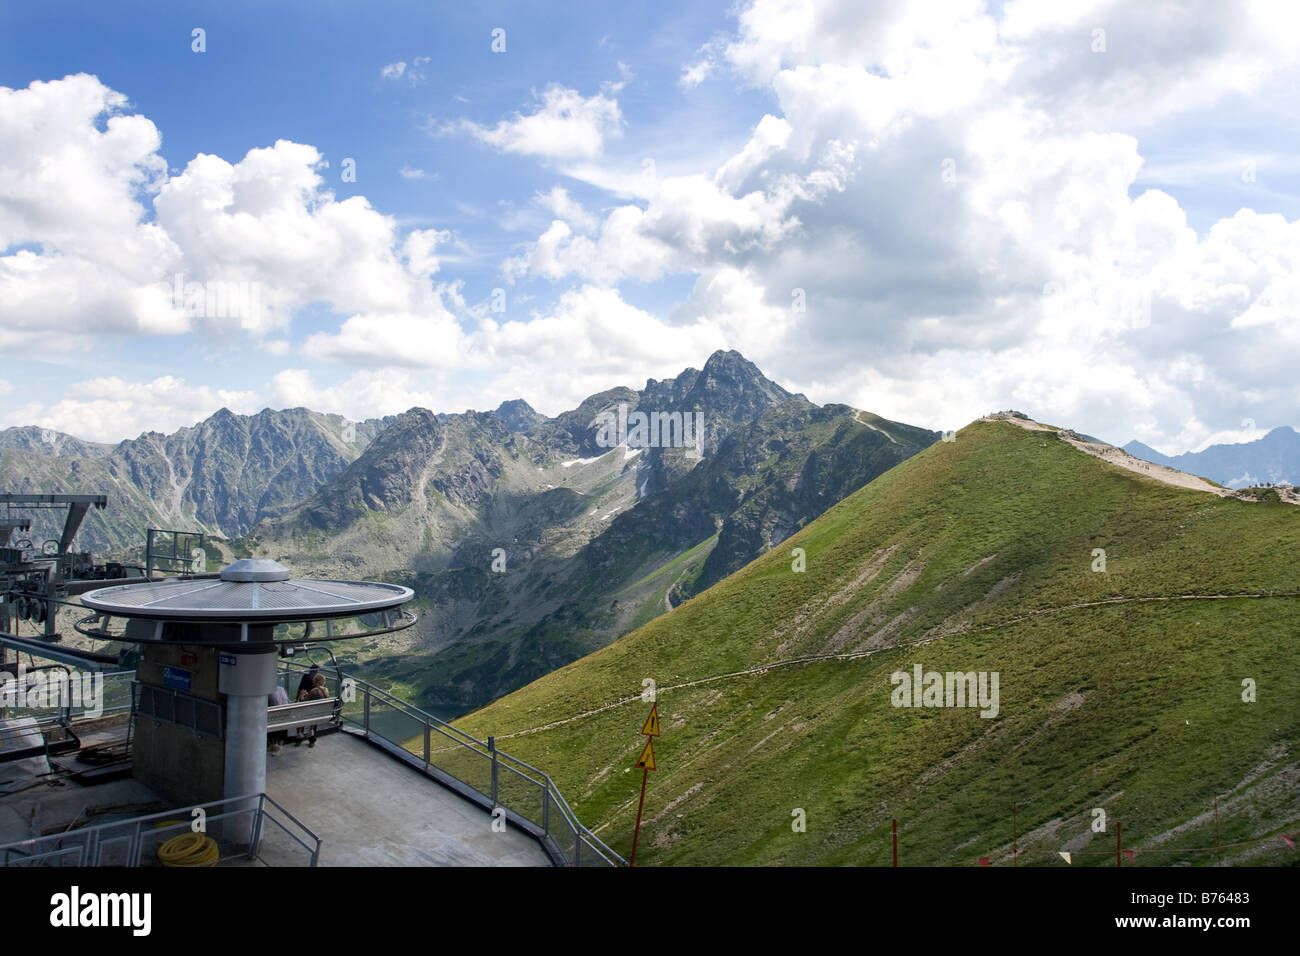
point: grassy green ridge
(1132, 707)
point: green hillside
(973, 555)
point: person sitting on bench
(305, 685)
(317, 692)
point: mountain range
(529, 540)
(220, 476)
(1273, 458)
(529, 543)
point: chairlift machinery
(35, 579)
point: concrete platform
(368, 808)
(371, 810)
(36, 801)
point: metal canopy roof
(252, 591)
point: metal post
(365, 719)
(426, 745)
(645, 775)
(51, 609)
(492, 749)
(895, 828)
(257, 827)
(546, 811)
(1119, 830)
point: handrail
(583, 837)
(86, 843)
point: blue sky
(645, 183)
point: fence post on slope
(1119, 830)
(895, 829)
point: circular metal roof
(255, 569)
(253, 590)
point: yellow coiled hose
(189, 849)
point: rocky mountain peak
(518, 415)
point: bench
(301, 715)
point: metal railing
(64, 695)
(474, 768)
(47, 728)
(117, 695)
(135, 842)
(23, 737)
(163, 705)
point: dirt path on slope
(1161, 473)
(876, 428)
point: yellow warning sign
(647, 759)
(651, 728)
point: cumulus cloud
(367, 393)
(391, 339)
(980, 230)
(566, 125)
(268, 219)
(75, 250)
(597, 338)
(694, 222)
(108, 409)
(260, 238)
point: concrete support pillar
(247, 677)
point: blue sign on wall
(177, 678)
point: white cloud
(82, 257)
(931, 169)
(391, 340)
(393, 71)
(695, 73)
(268, 219)
(71, 193)
(692, 223)
(770, 137)
(565, 126)
(107, 409)
(367, 393)
(597, 339)
(705, 64)
(563, 206)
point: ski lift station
(158, 739)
